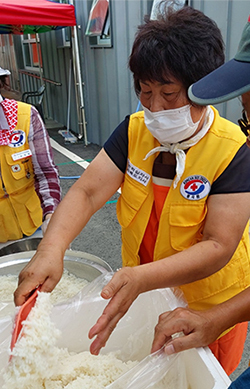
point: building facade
(89, 88)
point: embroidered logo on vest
(17, 138)
(138, 174)
(195, 187)
(16, 168)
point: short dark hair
(3, 81)
(183, 44)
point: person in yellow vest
(203, 327)
(29, 182)
(182, 209)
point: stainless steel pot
(81, 264)
(20, 245)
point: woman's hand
(89, 193)
(45, 268)
(123, 289)
(199, 329)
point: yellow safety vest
(182, 219)
(20, 207)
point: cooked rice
(38, 363)
(68, 286)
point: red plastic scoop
(21, 316)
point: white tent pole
(39, 60)
(69, 95)
(78, 79)
(77, 67)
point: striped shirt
(47, 182)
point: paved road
(101, 237)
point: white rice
(38, 363)
(68, 286)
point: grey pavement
(101, 236)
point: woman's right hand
(89, 193)
(44, 269)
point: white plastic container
(191, 369)
(133, 336)
(132, 339)
(203, 370)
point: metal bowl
(82, 265)
(20, 246)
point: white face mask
(171, 125)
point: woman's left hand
(123, 289)
(199, 327)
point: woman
(29, 182)
(181, 220)
(203, 327)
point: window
(31, 51)
(63, 37)
(98, 27)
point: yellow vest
(182, 220)
(20, 207)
